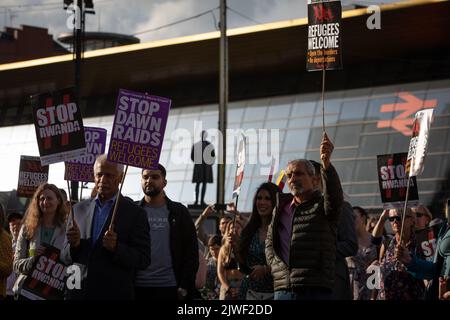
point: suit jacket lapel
(89, 220)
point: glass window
(333, 102)
(345, 153)
(173, 190)
(330, 119)
(236, 112)
(313, 155)
(431, 166)
(365, 170)
(441, 121)
(382, 96)
(344, 169)
(353, 110)
(364, 188)
(438, 85)
(256, 110)
(426, 196)
(300, 122)
(164, 157)
(445, 166)
(372, 145)
(276, 124)
(179, 175)
(347, 135)
(375, 105)
(436, 140)
(209, 118)
(397, 143)
(5, 136)
(364, 200)
(132, 184)
(296, 140)
(280, 107)
(316, 134)
(428, 185)
(187, 122)
(305, 105)
(188, 194)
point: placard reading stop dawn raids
(324, 40)
(82, 168)
(393, 181)
(59, 126)
(31, 176)
(138, 129)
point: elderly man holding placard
(108, 254)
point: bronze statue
(202, 154)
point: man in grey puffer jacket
(301, 241)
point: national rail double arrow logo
(403, 122)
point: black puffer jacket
(312, 256)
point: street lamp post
(223, 103)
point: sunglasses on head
(398, 218)
(395, 218)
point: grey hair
(104, 157)
(308, 165)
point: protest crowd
(309, 244)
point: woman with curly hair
(44, 223)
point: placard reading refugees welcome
(31, 175)
(59, 126)
(138, 130)
(82, 168)
(324, 35)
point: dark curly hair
(255, 219)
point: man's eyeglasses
(291, 174)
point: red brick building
(27, 43)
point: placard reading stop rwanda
(393, 181)
(59, 126)
(138, 129)
(82, 168)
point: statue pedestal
(197, 206)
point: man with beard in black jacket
(174, 248)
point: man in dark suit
(202, 153)
(108, 257)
